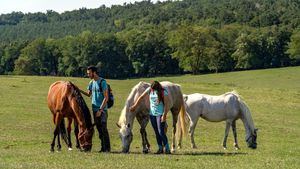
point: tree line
(146, 39)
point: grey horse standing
(227, 107)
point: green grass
(273, 96)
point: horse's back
(213, 108)
(175, 94)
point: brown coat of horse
(65, 100)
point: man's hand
(99, 112)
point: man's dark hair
(92, 68)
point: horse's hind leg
(57, 120)
(56, 132)
(226, 134)
(175, 119)
(233, 125)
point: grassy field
(273, 96)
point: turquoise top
(97, 96)
(156, 108)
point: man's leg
(97, 121)
(104, 132)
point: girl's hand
(132, 108)
(163, 118)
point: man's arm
(103, 104)
(88, 94)
(104, 100)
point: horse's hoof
(194, 147)
(70, 149)
(58, 150)
(172, 150)
(51, 150)
(146, 151)
(236, 146)
(225, 148)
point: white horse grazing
(227, 107)
(176, 105)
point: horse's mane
(129, 99)
(247, 113)
(82, 105)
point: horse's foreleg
(69, 133)
(226, 134)
(76, 131)
(192, 131)
(233, 125)
(143, 121)
(146, 145)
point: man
(97, 88)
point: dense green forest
(147, 39)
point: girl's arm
(132, 108)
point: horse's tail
(63, 131)
(182, 121)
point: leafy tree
(195, 48)
(34, 59)
(294, 46)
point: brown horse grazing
(65, 100)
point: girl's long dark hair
(160, 90)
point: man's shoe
(104, 151)
(160, 151)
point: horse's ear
(118, 125)
(128, 125)
(255, 130)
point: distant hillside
(256, 13)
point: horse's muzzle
(87, 148)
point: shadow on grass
(189, 153)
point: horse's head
(85, 139)
(127, 117)
(251, 140)
(126, 137)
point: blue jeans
(159, 129)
